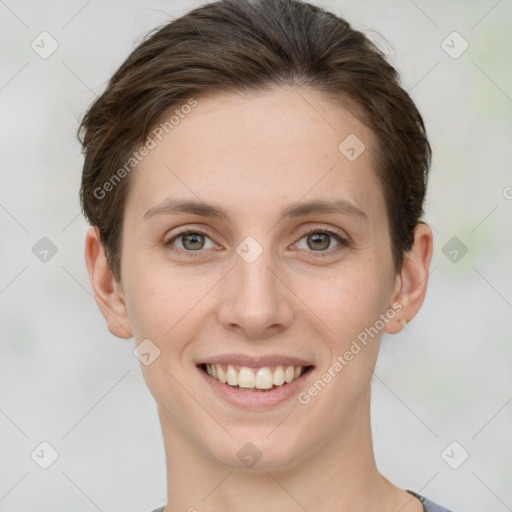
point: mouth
(263, 379)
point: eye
(319, 240)
(191, 241)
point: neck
(339, 477)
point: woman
(254, 178)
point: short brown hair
(247, 46)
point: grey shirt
(428, 506)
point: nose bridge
(253, 299)
(257, 284)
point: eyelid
(326, 229)
(188, 230)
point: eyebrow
(294, 210)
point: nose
(255, 299)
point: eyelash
(343, 243)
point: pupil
(192, 237)
(317, 238)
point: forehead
(249, 149)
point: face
(250, 279)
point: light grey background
(65, 380)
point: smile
(253, 379)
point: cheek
(167, 306)
(346, 301)
(153, 312)
(149, 302)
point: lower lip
(257, 399)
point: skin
(254, 155)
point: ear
(107, 292)
(411, 282)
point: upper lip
(256, 362)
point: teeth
(220, 372)
(279, 376)
(262, 379)
(232, 376)
(246, 378)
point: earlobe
(411, 282)
(107, 291)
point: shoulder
(428, 506)
(160, 509)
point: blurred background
(442, 392)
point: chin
(257, 452)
